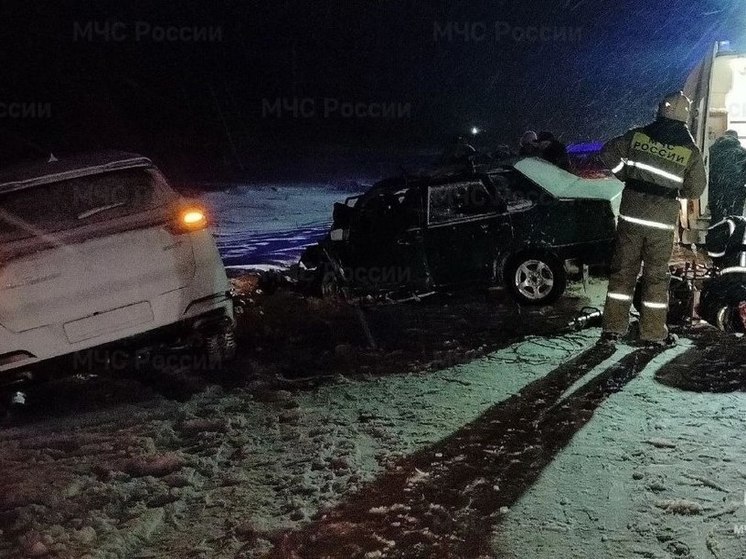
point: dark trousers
(650, 247)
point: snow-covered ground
(659, 472)
(551, 455)
(261, 226)
(163, 479)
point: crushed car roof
(562, 184)
(551, 178)
(52, 170)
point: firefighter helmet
(675, 106)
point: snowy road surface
(660, 472)
(531, 451)
(262, 226)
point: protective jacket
(658, 163)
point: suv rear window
(64, 205)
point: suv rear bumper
(172, 320)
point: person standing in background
(528, 145)
(727, 177)
(553, 150)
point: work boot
(670, 341)
(609, 338)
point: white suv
(98, 249)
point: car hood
(562, 184)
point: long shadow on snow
(443, 501)
(715, 363)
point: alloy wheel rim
(534, 279)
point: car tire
(219, 348)
(720, 300)
(228, 344)
(717, 312)
(535, 278)
(721, 316)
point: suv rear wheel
(535, 278)
(219, 348)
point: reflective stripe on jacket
(657, 163)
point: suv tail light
(188, 220)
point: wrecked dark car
(515, 225)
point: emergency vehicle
(717, 88)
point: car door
(409, 248)
(388, 242)
(464, 225)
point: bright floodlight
(474, 130)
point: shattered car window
(508, 191)
(459, 200)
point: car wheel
(219, 348)
(535, 278)
(228, 343)
(213, 351)
(723, 319)
(717, 312)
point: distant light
(474, 130)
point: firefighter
(658, 163)
(727, 177)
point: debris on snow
(37, 549)
(393, 508)
(418, 477)
(713, 546)
(680, 506)
(195, 426)
(156, 465)
(661, 443)
(33, 546)
(678, 549)
(386, 543)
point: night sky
(597, 68)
